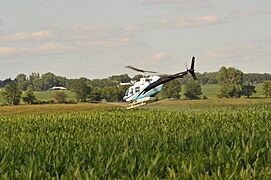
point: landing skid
(141, 102)
(135, 105)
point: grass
(46, 96)
(207, 105)
(211, 91)
(49, 95)
(259, 91)
(221, 143)
(201, 139)
(53, 108)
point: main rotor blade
(139, 70)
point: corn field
(211, 144)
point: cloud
(180, 4)
(74, 39)
(69, 33)
(180, 22)
(55, 47)
(43, 48)
(112, 43)
(81, 28)
(86, 30)
(132, 28)
(235, 51)
(8, 50)
(153, 2)
(51, 47)
(26, 36)
(247, 12)
(246, 56)
(157, 58)
(184, 22)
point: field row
(225, 143)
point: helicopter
(149, 86)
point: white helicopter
(145, 90)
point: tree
(29, 97)
(61, 81)
(33, 76)
(109, 94)
(230, 80)
(192, 90)
(248, 90)
(22, 81)
(137, 77)
(123, 78)
(256, 78)
(171, 90)
(96, 94)
(60, 96)
(12, 94)
(207, 77)
(49, 80)
(113, 93)
(6, 81)
(39, 85)
(81, 89)
(267, 88)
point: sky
(98, 38)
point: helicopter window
(132, 91)
(147, 80)
(127, 92)
(137, 89)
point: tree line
(233, 83)
(42, 82)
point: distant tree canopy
(267, 88)
(248, 90)
(137, 77)
(230, 80)
(171, 90)
(193, 90)
(232, 83)
(12, 94)
(207, 77)
(22, 82)
(60, 96)
(42, 82)
(29, 96)
(256, 78)
(5, 82)
(81, 89)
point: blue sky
(97, 38)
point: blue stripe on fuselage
(150, 93)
